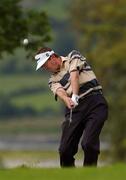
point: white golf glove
(75, 99)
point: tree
(17, 24)
(101, 31)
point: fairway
(32, 91)
(115, 172)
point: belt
(93, 92)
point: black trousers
(87, 121)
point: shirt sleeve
(76, 62)
(54, 86)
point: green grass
(29, 126)
(13, 83)
(38, 101)
(115, 172)
(31, 156)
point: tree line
(101, 35)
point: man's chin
(53, 71)
(56, 70)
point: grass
(29, 126)
(38, 101)
(33, 159)
(32, 156)
(13, 83)
(115, 172)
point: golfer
(73, 81)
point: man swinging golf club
(74, 82)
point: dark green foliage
(38, 30)
(101, 29)
(17, 24)
(13, 25)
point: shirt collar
(63, 59)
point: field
(30, 126)
(115, 172)
(29, 91)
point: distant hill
(55, 8)
(63, 38)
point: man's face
(53, 64)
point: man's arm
(58, 90)
(76, 64)
(63, 96)
(74, 78)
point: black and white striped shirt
(87, 79)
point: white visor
(42, 58)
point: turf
(30, 126)
(21, 89)
(115, 172)
(39, 102)
(13, 83)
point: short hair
(45, 49)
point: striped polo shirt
(87, 80)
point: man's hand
(68, 101)
(63, 96)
